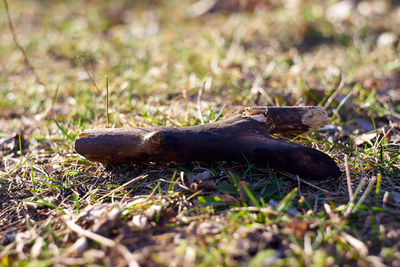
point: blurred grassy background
(155, 54)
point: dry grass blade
(367, 191)
(18, 45)
(336, 92)
(140, 67)
(361, 248)
(307, 247)
(107, 104)
(298, 180)
(350, 204)
(49, 113)
(89, 74)
(266, 210)
(199, 103)
(122, 186)
(79, 246)
(333, 216)
(385, 199)
(348, 178)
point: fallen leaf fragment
(298, 228)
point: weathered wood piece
(242, 138)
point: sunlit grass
(168, 69)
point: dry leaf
(298, 228)
(364, 138)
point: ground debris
(204, 63)
(13, 144)
(101, 219)
(201, 181)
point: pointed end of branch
(315, 118)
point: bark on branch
(242, 138)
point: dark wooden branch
(242, 138)
(290, 119)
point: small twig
(102, 240)
(89, 234)
(18, 44)
(349, 185)
(107, 103)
